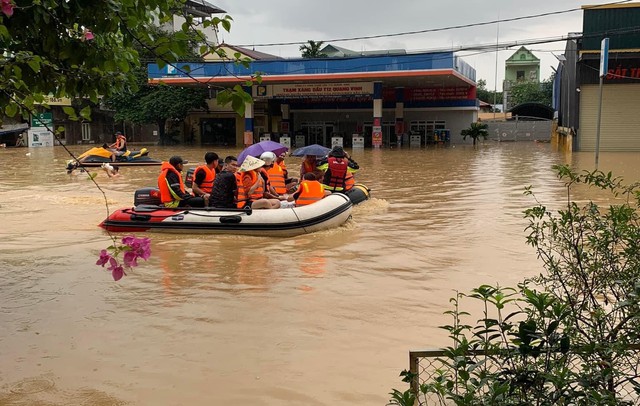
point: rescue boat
(98, 155)
(330, 212)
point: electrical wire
(429, 30)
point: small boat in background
(98, 155)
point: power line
(453, 27)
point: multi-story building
(522, 66)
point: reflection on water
(250, 320)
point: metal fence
(520, 130)
(427, 365)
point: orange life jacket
(243, 199)
(308, 167)
(349, 181)
(311, 191)
(209, 177)
(276, 178)
(166, 195)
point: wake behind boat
(330, 212)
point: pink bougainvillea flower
(118, 273)
(86, 35)
(130, 259)
(7, 7)
(141, 247)
(113, 264)
(104, 258)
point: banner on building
(314, 90)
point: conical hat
(250, 163)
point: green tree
(565, 337)
(81, 49)
(475, 131)
(531, 92)
(155, 104)
(312, 49)
(485, 95)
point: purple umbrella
(263, 146)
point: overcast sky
(274, 21)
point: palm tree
(475, 131)
(312, 49)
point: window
(523, 57)
(86, 131)
(520, 75)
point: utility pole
(604, 64)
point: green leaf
(34, 64)
(226, 24)
(11, 109)
(86, 113)
(4, 32)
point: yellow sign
(56, 101)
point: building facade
(621, 85)
(522, 66)
(378, 99)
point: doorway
(218, 131)
(318, 132)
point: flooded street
(320, 319)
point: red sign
(376, 135)
(399, 127)
(284, 127)
(432, 93)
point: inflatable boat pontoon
(330, 212)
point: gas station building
(371, 101)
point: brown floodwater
(319, 319)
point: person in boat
(310, 164)
(225, 186)
(273, 176)
(309, 191)
(204, 175)
(339, 169)
(172, 192)
(251, 186)
(291, 183)
(119, 147)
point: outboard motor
(147, 195)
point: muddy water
(319, 319)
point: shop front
(381, 99)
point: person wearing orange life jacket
(275, 180)
(291, 183)
(251, 186)
(310, 164)
(172, 192)
(204, 175)
(309, 191)
(119, 147)
(339, 169)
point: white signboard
(40, 138)
(336, 142)
(299, 141)
(265, 137)
(319, 89)
(357, 141)
(415, 141)
(286, 141)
